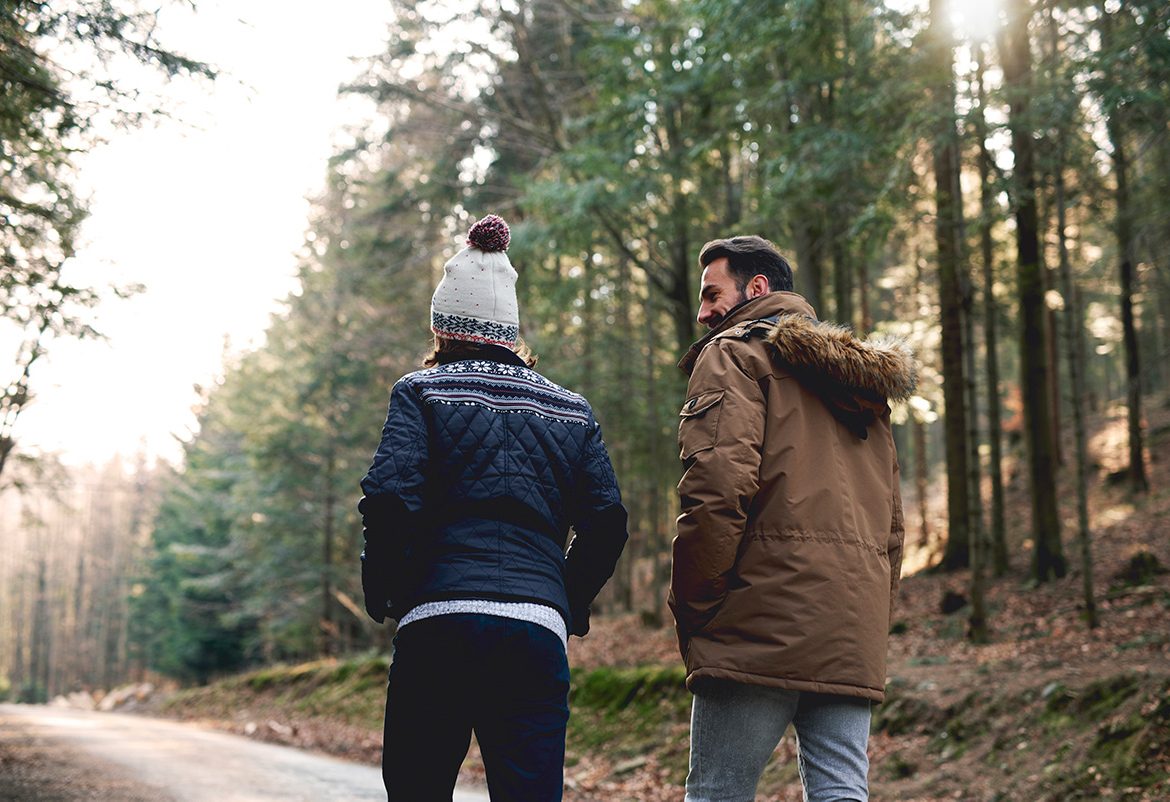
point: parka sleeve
(599, 521)
(392, 505)
(721, 434)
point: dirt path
(35, 767)
(59, 755)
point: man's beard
(743, 299)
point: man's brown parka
(789, 545)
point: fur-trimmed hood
(880, 364)
(854, 377)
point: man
(789, 545)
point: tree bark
(653, 517)
(589, 327)
(1127, 248)
(948, 228)
(41, 637)
(621, 450)
(328, 628)
(977, 621)
(1048, 561)
(1074, 352)
(1163, 263)
(921, 464)
(19, 676)
(999, 551)
(921, 480)
(810, 275)
(842, 281)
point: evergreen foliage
(617, 138)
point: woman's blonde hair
(462, 349)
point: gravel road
(60, 755)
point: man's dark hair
(748, 257)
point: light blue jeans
(735, 728)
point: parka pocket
(698, 423)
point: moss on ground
(628, 711)
(622, 712)
(352, 691)
(1131, 747)
(1113, 733)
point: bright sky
(207, 213)
(976, 19)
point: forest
(992, 185)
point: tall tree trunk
(809, 277)
(921, 480)
(19, 627)
(679, 249)
(625, 377)
(921, 465)
(589, 327)
(1051, 280)
(41, 637)
(1127, 247)
(1162, 260)
(1050, 332)
(328, 630)
(977, 625)
(682, 311)
(863, 292)
(81, 638)
(1163, 286)
(653, 531)
(948, 227)
(977, 619)
(1048, 559)
(1074, 351)
(999, 551)
(732, 186)
(842, 281)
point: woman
(483, 467)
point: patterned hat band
(475, 330)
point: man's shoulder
(742, 346)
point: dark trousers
(507, 680)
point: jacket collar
(492, 353)
(774, 303)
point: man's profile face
(718, 294)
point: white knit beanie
(476, 298)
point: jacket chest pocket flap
(698, 423)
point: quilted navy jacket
(483, 467)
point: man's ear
(758, 286)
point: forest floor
(1047, 710)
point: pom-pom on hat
(476, 298)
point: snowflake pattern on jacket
(501, 388)
(483, 468)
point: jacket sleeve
(392, 507)
(894, 548)
(721, 434)
(599, 521)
